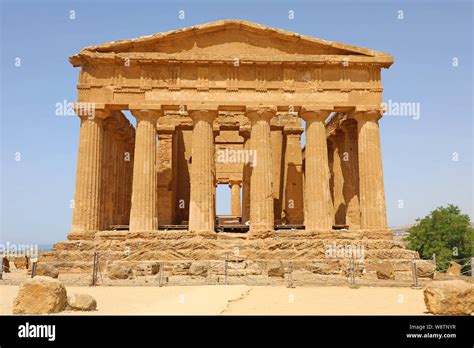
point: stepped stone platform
(317, 253)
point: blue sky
(417, 153)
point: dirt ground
(241, 300)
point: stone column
(261, 195)
(338, 179)
(86, 216)
(278, 160)
(318, 204)
(293, 201)
(372, 196)
(143, 213)
(235, 197)
(165, 163)
(202, 201)
(351, 174)
(130, 145)
(247, 169)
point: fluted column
(87, 199)
(202, 201)
(143, 213)
(351, 174)
(247, 169)
(293, 202)
(371, 185)
(261, 195)
(235, 197)
(318, 204)
(338, 178)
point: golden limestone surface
(223, 103)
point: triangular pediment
(230, 38)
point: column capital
(292, 130)
(367, 115)
(257, 113)
(165, 129)
(202, 114)
(234, 182)
(146, 114)
(245, 132)
(92, 113)
(309, 113)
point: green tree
(444, 232)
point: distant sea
(45, 246)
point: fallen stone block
(40, 295)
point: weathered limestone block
(450, 297)
(324, 267)
(45, 269)
(81, 302)
(181, 268)
(276, 270)
(40, 295)
(385, 271)
(454, 269)
(21, 262)
(199, 268)
(120, 270)
(425, 269)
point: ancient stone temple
(228, 103)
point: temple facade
(223, 103)
(230, 103)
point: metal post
(160, 277)
(415, 275)
(290, 275)
(225, 268)
(33, 269)
(352, 269)
(94, 269)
